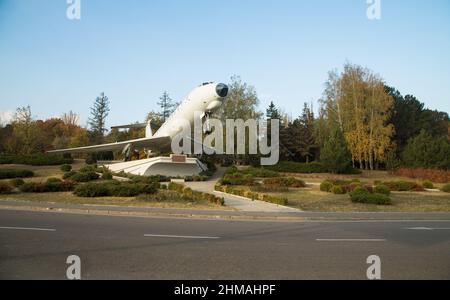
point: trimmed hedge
(403, 186)
(238, 179)
(35, 159)
(114, 189)
(285, 182)
(363, 196)
(5, 188)
(251, 194)
(191, 195)
(12, 173)
(47, 187)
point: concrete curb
(148, 214)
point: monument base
(173, 166)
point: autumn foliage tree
(357, 103)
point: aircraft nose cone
(222, 90)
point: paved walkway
(240, 203)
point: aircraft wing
(161, 144)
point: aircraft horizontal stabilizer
(130, 126)
(160, 144)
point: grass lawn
(171, 200)
(315, 200)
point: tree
(297, 139)
(335, 155)
(410, 116)
(167, 106)
(272, 112)
(242, 103)
(99, 112)
(155, 118)
(427, 151)
(357, 102)
(26, 135)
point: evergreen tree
(167, 106)
(335, 155)
(427, 151)
(99, 112)
(272, 112)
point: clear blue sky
(134, 50)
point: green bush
(16, 182)
(382, 189)
(54, 180)
(363, 196)
(446, 188)
(259, 172)
(285, 182)
(403, 186)
(269, 189)
(84, 176)
(48, 187)
(5, 188)
(337, 190)
(428, 184)
(69, 174)
(275, 200)
(12, 173)
(66, 168)
(326, 186)
(238, 179)
(296, 167)
(33, 187)
(35, 159)
(92, 190)
(107, 175)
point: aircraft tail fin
(148, 130)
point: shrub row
(35, 159)
(191, 195)
(11, 173)
(296, 167)
(340, 187)
(196, 178)
(47, 187)
(238, 179)
(438, 176)
(402, 186)
(285, 182)
(5, 188)
(361, 195)
(251, 194)
(114, 189)
(81, 176)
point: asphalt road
(35, 245)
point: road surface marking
(25, 228)
(427, 228)
(350, 240)
(181, 236)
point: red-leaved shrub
(438, 176)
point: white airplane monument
(206, 98)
